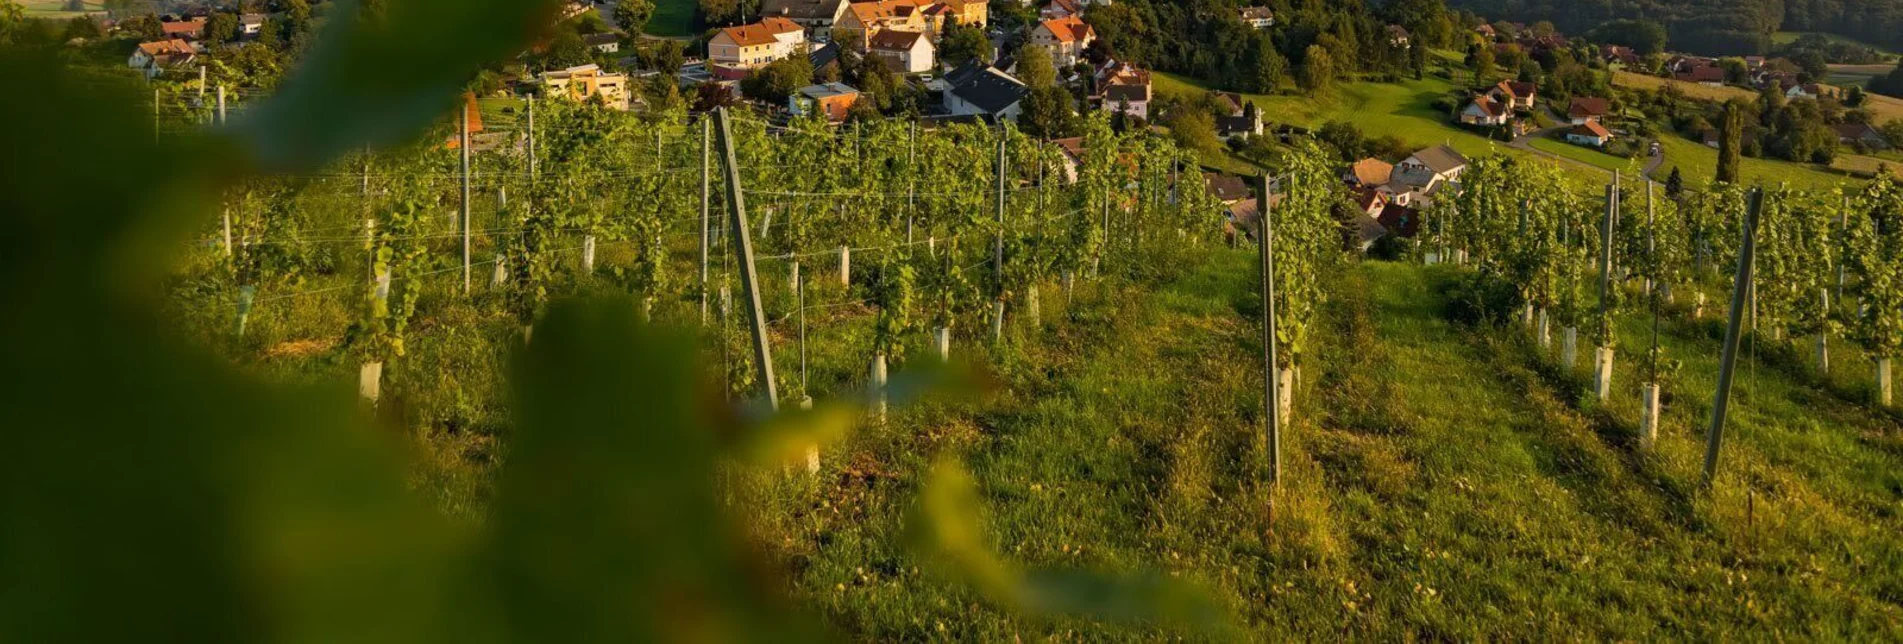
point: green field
(1698, 164)
(56, 9)
(1403, 110)
(1444, 483)
(1585, 155)
(672, 19)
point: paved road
(1524, 142)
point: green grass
(672, 19)
(1585, 155)
(1443, 482)
(1698, 164)
(1404, 110)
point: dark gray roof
(1236, 124)
(987, 88)
(1441, 158)
(800, 9)
(824, 55)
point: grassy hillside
(1698, 164)
(1403, 109)
(672, 19)
(1445, 482)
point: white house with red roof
(734, 52)
(1066, 38)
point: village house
(1123, 87)
(585, 82)
(1586, 109)
(1590, 133)
(1131, 99)
(1369, 173)
(734, 52)
(1398, 36)
(1483, 110)
(903, 52)
(1400, 221)
(152, 58)
(1066, 38)
(1514, 95)
(1248, 123)
(1861, 134)
(863, 19)
(1804, 90)
(1060, 9)
(1617, 54)
(1486, 31)
(981, 90)
(832, 101)
(1709, 75)
(1258, 17)
(251, 24)
(1229, 104)
(606, 43)
(817, 17)
(188, 29)
(1422, 175)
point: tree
(297, 19)
(566, 50)
(221, 27)
(722, 11)
(1194, 128)
(142, 28)
(963, 43)
(1318, 69)
(1481, 60)
(12, 20)
(1811, 65)
(1730, 141)
(1269, 68)
(669, 55)
(1644, 36)
(778, 80)
(1890, 84)
(1047, 113)
(82, 27)
(1035, 68)
(1674, 184)
(1417, 60)
(1854, 97)
(632, 15)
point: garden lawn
(672, 19)
(1403, 109)
(1584, 155)
(1698, 164)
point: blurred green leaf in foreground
(150, 493)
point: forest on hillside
(1717, 27)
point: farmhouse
(606, 43)
(831, 101)
(1586, 109)
(736, 51)
(1514, 95)
(1258, 17)
(1590, 133)
(903, 52)
(1862, 134)
(1426, 170)
(1066, 38)
(154, 57)
(1483, 110)
(191, 29)
(1369, 172)
(817, 17)
(588, 81)
(978, 89)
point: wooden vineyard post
(501, 274)
(845, 266)
(1714, 436)
(1271, 394)
(1649, 392)
(997, 253)
(706, 216)
(743, 243)
(1602, 354)
(464, 215)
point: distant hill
(1717, 27)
